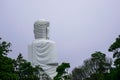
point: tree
(6, 64)
(25, 70)
(115, 48)
(94, 68)
(101, 62)
(18, 69)
(62, 73)
(79, 73)
(4, 47)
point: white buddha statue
(42, 51)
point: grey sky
(79, 27)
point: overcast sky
(79, 27)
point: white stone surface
(41, 29)
(43, 51)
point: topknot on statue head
(41, 29)
(41, 22)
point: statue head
(41, 29)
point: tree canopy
(97, 67)
(19, 68)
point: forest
(97, 67)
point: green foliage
(98, 67)
(18, 69)
(101, 62)
(77, 73)
(6, 64)
(25, 70)
(94, 68)
(115, 48)
(62, 72)
(4, 47)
